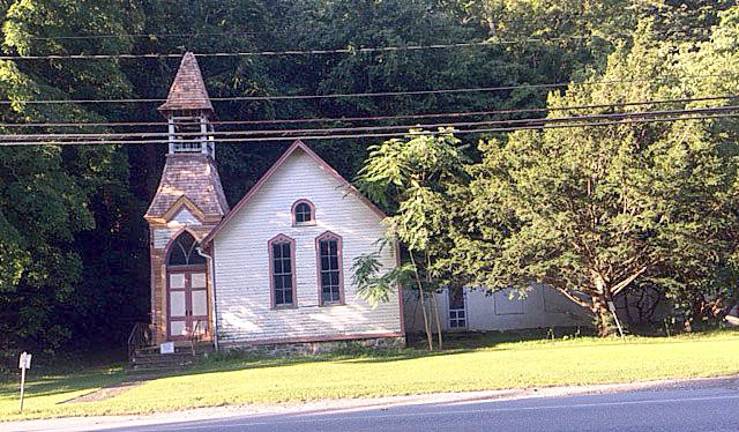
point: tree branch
(574, 299)
(616, 289)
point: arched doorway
(187, 289)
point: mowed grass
(466, 367)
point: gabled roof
(195, 177)
(188, 90)
(183, 202)
(296, 146)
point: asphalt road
(677, 410)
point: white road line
(444, 413)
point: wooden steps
(150, 361)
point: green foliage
(48, 194)
(410, 177)
(375, 287)
(596, 211)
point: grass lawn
(484, 363)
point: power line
(360, 95)
(384, 135)
(287, 132)
(142, 35)
(347, 50)
(455, 114)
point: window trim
(312, 220)
(279, 239)
(456, 311)
(172, 245)
(328, 235)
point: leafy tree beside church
(597, 211)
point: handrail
(132, 340)
(194, 336)
(139, 337)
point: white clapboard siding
(183, 218)
(241, 261)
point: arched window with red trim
(304, 212)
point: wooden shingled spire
(188, 91)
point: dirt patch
(105, 392)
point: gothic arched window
(282, 271)
(330, 269)
(182, 252)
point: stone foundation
(312, 348)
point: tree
(77, 249)
(412, 178)
(714, 64)
(50, 196)
(595, 211)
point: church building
(276, 268)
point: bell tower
(187, 205)
(188, 111)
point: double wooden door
(187, 302)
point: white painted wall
(242, 262)
(183, 218)
(543, 307)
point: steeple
(188, 111)
(190, 174)
(188, 204)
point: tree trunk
(603, 319)
(435, 305)
(426, 325)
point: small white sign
(25, 361)
(166, 348)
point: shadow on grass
(59, 384)
(59, 373)
(235, 360)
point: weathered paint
(244, 308)
(543, 307)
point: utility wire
(359, 95)
(142, 35)
(347, 50)
(384, 135)
(287, 132)
(377, 118)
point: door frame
(457, 318)
(189, 320)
